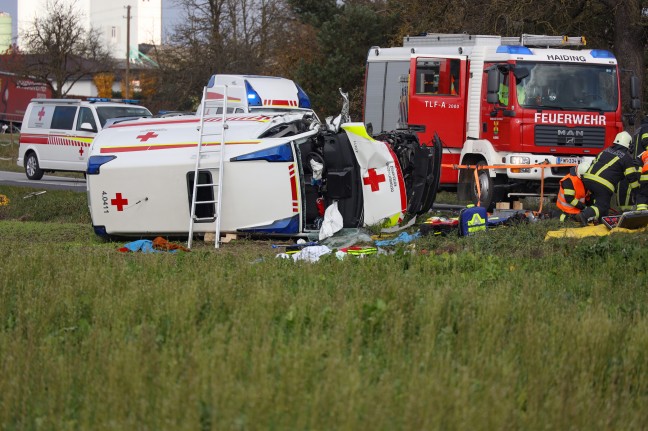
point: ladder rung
(206, 202)
(204, 219)
(206, 185)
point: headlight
(520, 160)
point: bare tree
(59, 50)
(218, 36)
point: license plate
(569, 160)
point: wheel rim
(31, 166)
(483, 185)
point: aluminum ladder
(201, 151)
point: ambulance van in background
(56, 134)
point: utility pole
(127, 86)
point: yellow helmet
(623, 139)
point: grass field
(493, 332)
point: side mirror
(493, 86)
(634, 87)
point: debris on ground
(158, 245)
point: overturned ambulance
(272, 170)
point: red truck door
(437, 101)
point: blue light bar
(286, 226)
(281, 153)
(602, 53)
(253, 97)
(304, 101)
(105, 99)
(212, 81)
(95, 162)
(513, 49)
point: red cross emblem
(373, 180)
(41, 114)
(119, 202)
(81, 152)
(149, 135)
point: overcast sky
(169, 12)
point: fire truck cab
(497, 101)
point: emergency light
(281, 153)
(95, 162)
(513, 49)
(105, 99)
(304, 101)
(601, 53)
(252, 95)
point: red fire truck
(15, 95)
(498, 101)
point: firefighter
(610, 166)
(572, 194)
(625, 197)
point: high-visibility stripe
(607, 165)
(630, 170)
(602, 181)
(644, 177)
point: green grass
(496, 331)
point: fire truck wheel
(486, 185)
(32, 169)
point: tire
(486, 185)
(32, 168)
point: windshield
(107, 112)
(567, 86)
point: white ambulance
(275, 170)
(56, 133)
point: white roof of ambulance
(254, 92)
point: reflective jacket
(611, 165)
(571, 196)
(639, 141)
(644, 169)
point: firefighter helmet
(582, 168)
(623, 139)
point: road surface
(48, 182)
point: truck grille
(572, 137)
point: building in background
(110, 18)
(5, 31)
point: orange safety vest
(580, 193)
(644, 159)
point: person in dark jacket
(610, 166)
(626, 197)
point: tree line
(322, 44)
